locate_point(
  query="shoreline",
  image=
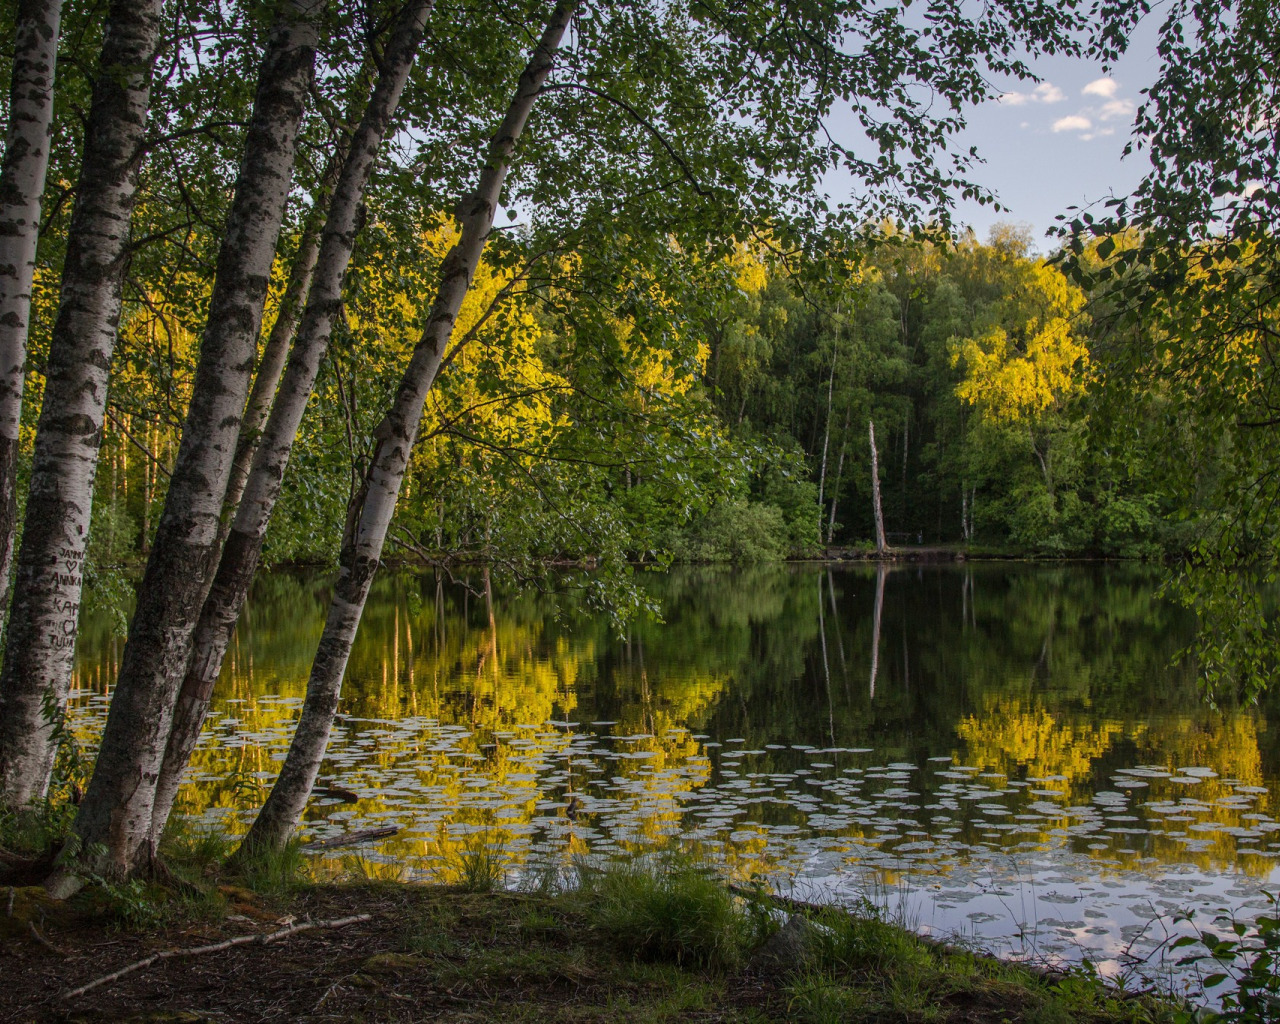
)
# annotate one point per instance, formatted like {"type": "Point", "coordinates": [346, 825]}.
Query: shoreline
{"type": "Point", "coordinates": [635, 945]}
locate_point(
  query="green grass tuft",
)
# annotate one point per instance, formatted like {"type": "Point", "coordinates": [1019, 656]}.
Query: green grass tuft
{"type": "Point", "coordinates": [480, 870]}
{"type": "Point", "coordinates": [862, 940]}
{"type": "Point", "coordinates": [37, 830]}
{"type": "Point", "coordinates": [269, 870]}
{"type": "Point", "coordinates": [193, 851]}
{"type": "Point", "coordinates": [670, 910]}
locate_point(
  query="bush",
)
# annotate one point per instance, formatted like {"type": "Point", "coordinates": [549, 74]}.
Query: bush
{"type": "Point", "coordinates": [736, 531]}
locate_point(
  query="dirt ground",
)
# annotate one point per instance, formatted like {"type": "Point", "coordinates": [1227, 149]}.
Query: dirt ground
{"type": "Point", "coordinates": [422, 955]}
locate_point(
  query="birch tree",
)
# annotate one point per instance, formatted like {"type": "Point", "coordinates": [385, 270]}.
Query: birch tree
{"type": "Point", "coordinates": [40, 644]}
{"type": "Point", "coordinates": [116, 811]}
{"type": "Point", "coordinates": [369, 514]}
{"type": "Point", "coordinates": [26, 160]}
{"type": "Point", "coordinates": [239, 559]}
{"type": "Point", "coordinates": [881, 546]}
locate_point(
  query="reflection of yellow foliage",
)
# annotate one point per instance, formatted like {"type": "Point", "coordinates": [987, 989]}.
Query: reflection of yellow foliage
{"type": "Point", "coordinates": [1228, 743]}
{"type": "Point", "coordinates": [1007, 734]}
{"type": "Point", "coordinates": [454, 744]}
{"type": "Point", "coordinates": [483, 785]}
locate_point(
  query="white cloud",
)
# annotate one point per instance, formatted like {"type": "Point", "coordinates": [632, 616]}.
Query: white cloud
{"type": "Point", "coordinates": [1117, 108]}
{"type": "Point", "coordinates": [1045, 92]}
{"type": "Point", "coordinates": [1100, 133]}
{"type": "Point", "coordinates": [1072, 123]}
{"type": "Point", "coordinates": [1104, 87]}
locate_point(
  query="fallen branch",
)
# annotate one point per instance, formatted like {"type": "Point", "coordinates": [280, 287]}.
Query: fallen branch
{"type": "Point", "coordinates": [35, 933]}
{"type": "Point", "coordinates": [239, 940]}
{"type": "Point", "coordinates": [351, 838]}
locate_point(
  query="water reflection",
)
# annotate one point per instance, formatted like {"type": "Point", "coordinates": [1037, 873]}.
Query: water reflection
{"type": "Point", "coordinates": [999, 751]}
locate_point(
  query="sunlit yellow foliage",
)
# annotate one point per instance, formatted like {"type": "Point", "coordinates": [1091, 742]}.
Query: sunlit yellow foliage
{"type": "Point", "coordinates": [750, 272]}
{"type": "Point", "coordinates": [1030, 360]}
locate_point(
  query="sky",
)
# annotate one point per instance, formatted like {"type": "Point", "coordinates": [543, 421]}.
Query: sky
{"type": "Point", "coordinates": [1059, 143]}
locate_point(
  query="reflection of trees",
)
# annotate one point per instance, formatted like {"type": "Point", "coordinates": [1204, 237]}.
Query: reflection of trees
{"type": "Point", "coordinates": [1025, 671]}
{"type": "Point", "coordinates": [1009, 737]}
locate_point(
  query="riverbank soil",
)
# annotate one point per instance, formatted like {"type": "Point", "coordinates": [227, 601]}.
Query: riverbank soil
{"type": "Point", "coordinates": [431, 953]}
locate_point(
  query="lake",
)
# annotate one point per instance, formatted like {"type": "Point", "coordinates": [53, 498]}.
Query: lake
{"type": "Point", "coordinates": [1001, 752]}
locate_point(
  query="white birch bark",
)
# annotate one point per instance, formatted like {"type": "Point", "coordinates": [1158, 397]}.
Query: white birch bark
{"type": "Point", "coordinates": [240, 554]}
{"type": "Point", "coordinates": [881, 546]}
{"type": "Point", "coordinates": [40, 644]}
{"type": "Point", "coordinates": [116, 811]}
{"type": "Point", "coordinates": [26, 159]}
{"type": "Point", "coordinates": [835, 491]}
{"type": "Point", "coordinates": [369, 514]}
{"type": "Point", "coordinates": [826, 441]}
{"type": "Point", "coordinates": [280, 339]}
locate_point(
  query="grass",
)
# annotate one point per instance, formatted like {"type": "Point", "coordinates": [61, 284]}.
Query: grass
{"type": "Point", "coordinates": [480, 869]}
{"type": "Point", "coordinates": [672, 910]}
{"type": "Point", "coordinates": [35, 831]}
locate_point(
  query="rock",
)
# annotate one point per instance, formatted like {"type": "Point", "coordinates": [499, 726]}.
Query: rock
{"type": "Point", "coordinates": [790, 948]}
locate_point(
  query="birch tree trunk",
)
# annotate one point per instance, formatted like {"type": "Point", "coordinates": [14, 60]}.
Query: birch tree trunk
{"type": "Point", "coordinates": [26, 159]}
{"type": "Point", "coordinates": [42, 626]}
{"type": "Point", "coordinates": [244, 542]}
{"type": "Point", "coordinates": [369, 513]}
{"type": "Point", "coordinates": [116, 811]}
{"type": "Point", "coordinates": [835, 491]}
{"type": "Point", "coordinates": [881, 546]}
{"type": "Point", "coordinates": [826, 443]}
{"type": "Point", "coordinates": [280, 340]}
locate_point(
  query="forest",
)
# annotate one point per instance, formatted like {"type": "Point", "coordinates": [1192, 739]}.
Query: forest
{"type": "Point", "coordinates": [523, 285]}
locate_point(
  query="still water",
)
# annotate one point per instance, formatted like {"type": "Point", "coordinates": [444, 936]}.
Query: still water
{"type": "Point", "coordinates": [1000, 753]}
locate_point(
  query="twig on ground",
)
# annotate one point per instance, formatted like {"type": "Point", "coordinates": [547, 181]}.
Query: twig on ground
{"type": "Point", "coordinates": [35, 932]}
{"type": "Point", "coordinates": [239, 940]}
{"type": "Point", "coordinates": [328, 992]}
